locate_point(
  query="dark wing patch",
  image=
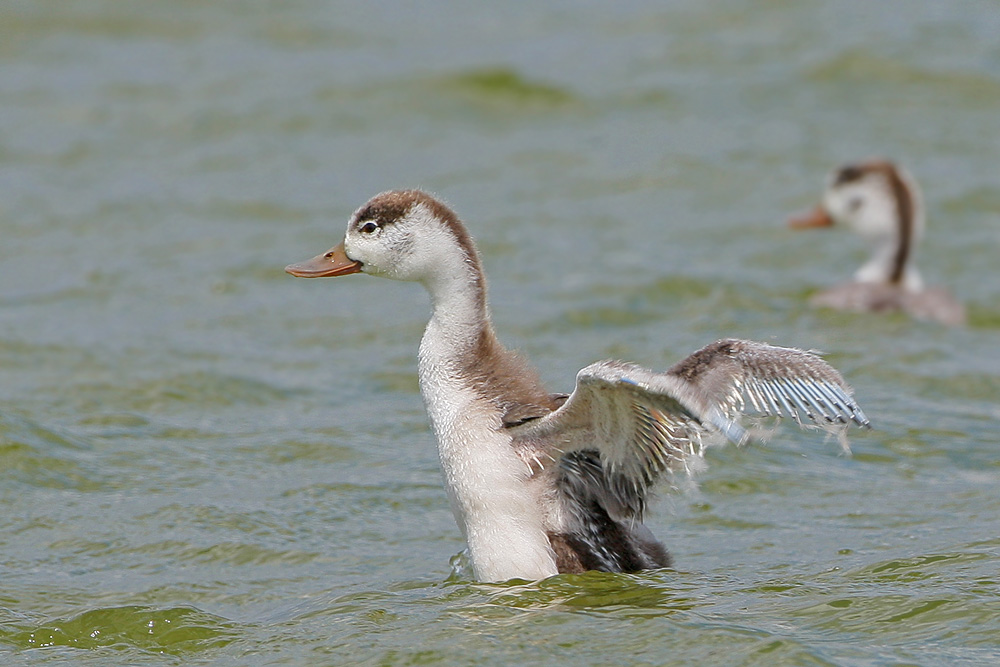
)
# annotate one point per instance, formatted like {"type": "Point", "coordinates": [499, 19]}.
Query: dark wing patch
{"type": "Point", "coordinates": [520, 413]}
{"type": "Point", "coordinates": [599, 541]}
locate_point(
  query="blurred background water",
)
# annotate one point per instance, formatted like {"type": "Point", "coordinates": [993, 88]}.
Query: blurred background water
{"type": "Point", "coordinates": [203, 460]}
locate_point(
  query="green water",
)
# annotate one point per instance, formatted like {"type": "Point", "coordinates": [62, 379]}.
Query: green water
{"type": "Point", "coordinates": [205, 461]}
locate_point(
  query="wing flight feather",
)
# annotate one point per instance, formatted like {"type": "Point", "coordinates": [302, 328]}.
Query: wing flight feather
{"type": "Point", "coordinates": [643, 423]}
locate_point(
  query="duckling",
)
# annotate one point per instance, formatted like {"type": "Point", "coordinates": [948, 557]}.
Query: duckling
{"type": "Point", "coordinates": [881, 202]}
{"type": "Point", "coordinates": [544, 483]}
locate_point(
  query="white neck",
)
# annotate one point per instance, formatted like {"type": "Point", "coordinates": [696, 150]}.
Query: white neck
{"type": "Point", "coordinates": [879, 267]}
{"type": "Point", "coordinates": [486, 481]}
{"type": "Point", "coordinates": [459, 311]}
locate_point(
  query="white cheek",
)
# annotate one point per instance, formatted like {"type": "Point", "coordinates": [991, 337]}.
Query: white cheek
{"type": "Point", "coordinates": [878, 219]}
{"type": "Point", "coordinates": [351, 248]}
{"type": "Point", "coordinates": [360, 248]}
{"type": "Point", "coordinates": [834, 205]}
{"type": "Point", "coordinates": [862, 208]}
{"type": "Point", "coordinates": [842, 207]}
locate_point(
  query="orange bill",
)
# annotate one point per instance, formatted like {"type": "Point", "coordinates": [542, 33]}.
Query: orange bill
{"type": "Point", "coordinates": [818, 217]}
{"type": "Point", "coordinates": [334, 262]}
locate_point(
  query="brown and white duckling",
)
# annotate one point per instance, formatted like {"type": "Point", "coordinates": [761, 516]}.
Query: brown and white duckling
{"type": "Point", "coordinates": [882, 203]}
{"type": "Point", "coordinates": [546, 483]}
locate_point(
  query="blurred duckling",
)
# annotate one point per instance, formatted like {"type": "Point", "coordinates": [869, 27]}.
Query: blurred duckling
{"type": "Point", "coordinates": [881, 202]}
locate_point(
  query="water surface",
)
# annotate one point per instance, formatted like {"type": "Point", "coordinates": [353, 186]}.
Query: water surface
{"type": "Point", "coordinates": [206, 461]}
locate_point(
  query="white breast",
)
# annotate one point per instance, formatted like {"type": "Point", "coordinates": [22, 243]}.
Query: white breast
{"type": "Point", "coordinates": [488, 484]}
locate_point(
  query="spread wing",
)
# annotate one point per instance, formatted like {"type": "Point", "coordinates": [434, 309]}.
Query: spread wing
{"type": "Point", "coordinates": [642, 423]}
{"type": "Point", "coordinates": [776, 381]}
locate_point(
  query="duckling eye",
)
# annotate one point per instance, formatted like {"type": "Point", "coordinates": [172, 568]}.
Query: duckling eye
{"type": "Point", "coordinates": [368, 227]}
